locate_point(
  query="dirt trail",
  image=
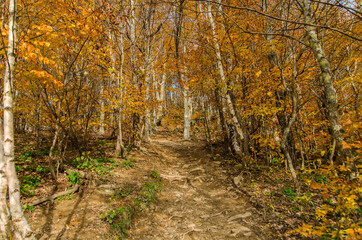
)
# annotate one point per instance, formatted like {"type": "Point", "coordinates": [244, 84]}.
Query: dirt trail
{"type": "Point", "coordinates": [197, 201]}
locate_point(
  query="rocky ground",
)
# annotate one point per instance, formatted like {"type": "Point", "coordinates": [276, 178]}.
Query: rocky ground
{"type": "Point", "coordinates": [199, 199]}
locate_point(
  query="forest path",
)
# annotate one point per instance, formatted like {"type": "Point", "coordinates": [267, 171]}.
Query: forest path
{"type": "Point", "coordinates": [197, 201]}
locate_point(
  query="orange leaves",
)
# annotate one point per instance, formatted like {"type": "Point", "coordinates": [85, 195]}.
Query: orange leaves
{"type": "Point", "coordinates": [338, 207]}
{"type": "Point", "coordinates": [315, 186]}
{"type": "Point", "coordinates": [43, 28]}
{"type": "Point", "coordinates": [354, 233]}
{"type": "Point", "coordinates": [46, 78]}
{"type": "Point", "coordinates": [307, 230]}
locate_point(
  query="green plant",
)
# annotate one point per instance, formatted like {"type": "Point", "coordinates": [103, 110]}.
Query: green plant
{"type": "Point", "coordinates": [41, 169]}
{"type": "Point", "coordinates": [128, 164]}
{"type": "Point", "coordinates": [28, 184]}
{"type": "Point", "coordinates": [147, 194]}
{"type": "Point", "coordinates": [155, 174]}
{"type": "Point", "coordinates": [294, 209]}
{"type": "Point", "coordinates": [28, 208]}
{"type": "Point", "coordinates": [29, 154]}
{"type": "Point", "coordinates": [68, 196]}
{"type": "Point", "coordinates": [45, 151]}
{"type": "Point", "coordinates": [289, 192]}
{"type": "Point", "coordinates": [87, 164]}
{"type": "Point", "coordinates": [321, 178]}
{"type": "Point", "coordinates": [104, 160]}
{"type": "Point", "coordinates": [26, 156]}
{"type": "Point", "coordinates": [276, 162]}
{"type": "Point", "coordinates": [73, 177]}
{"type": "Point", "coordinates": [100, 142]}
{"type": "Point", "coordinates": [101, 165]}
{"type": "Point", "coordinates": [19, 168]}
{"type": "Point", "coordinates": [105, 169]}
{"type": "Point", "coordinates": [119, 220]}
{"type": "Point", "coordinates": [306, 199]}
{"type": "Point", "coordinates": [32, 166]}
{"type": "Point", "coordinates": [124, 193]}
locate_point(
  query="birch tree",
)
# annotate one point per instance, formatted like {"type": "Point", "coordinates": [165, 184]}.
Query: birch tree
{"type": "Point", "coordinates": [240, 134]}
{"type": "Point", "coordinates": [21, 229]}
{"type": "Point", "coordinates": [330, 94]}
{"type": "Point", "coordinates": [181, 50]}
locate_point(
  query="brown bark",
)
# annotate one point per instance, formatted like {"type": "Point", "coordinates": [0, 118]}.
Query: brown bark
{"type": "Point", "coordinates": [326, 77]}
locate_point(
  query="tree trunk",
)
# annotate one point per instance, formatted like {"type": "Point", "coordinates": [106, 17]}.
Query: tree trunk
{"type": "Point", "coordinates": [326, 77]}
{"type": "Point", "coordinates": [120, 150]}
{"type": "Point", "coordinates": [182, 75]}
{"type": "Point", "coordinates": [237, 125]}
{"type": "Point", "coordinates": [22, 229]}
{"type": "Point", "coordinates": [161, 97]}
{"type": "Point", "coordinates": [5, 229]}
{"type": "Point", "coordinates": [283, 123]}
{"type": "Point", "coordinates": [187, 109]}
{"type": "Point", "coordinates": [102, 113]}
{"type": "Point", "coordinates": [148, 92]}
{"type": "Point", "coordinates": [288, 129]}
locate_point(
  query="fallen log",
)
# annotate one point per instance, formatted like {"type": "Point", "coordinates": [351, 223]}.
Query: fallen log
{"type": "Point", "coordinates": [54, 196]}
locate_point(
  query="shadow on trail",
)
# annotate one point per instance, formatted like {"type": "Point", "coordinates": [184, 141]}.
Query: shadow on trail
{"type": "Point", "coordinates": [69, 218]}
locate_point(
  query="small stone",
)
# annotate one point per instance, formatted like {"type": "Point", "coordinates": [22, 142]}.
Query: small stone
{"type": "Point", "coordinates": [192, 225]}
{"type": "Point", "coordinates": [241, 230]}
{"type": "Point", "coordinates": [107, 190]}
{"type": "Point", "coordinates": [248, 234]}
{"type": "Point", "coordinates": [240, 216]}
{"type": "Point", "coordinates": [238, 180]}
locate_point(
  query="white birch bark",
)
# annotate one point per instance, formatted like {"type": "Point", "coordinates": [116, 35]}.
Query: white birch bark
{"type": "Point", "coordinates": [230, 106]}
{"type": "Point", "coordinates": [161, 99]}
{"type": "Point", "coordinates": [120, 146]}
{"type": "Point", "coordinates": [102, 115]}
{"type": "Point", "coordinates": [4, 210]}
{"type": "Point", "coordinates": [21, 226]}
{"type": "Point", "coordinates": [187, 102]}
{"type": "Point", "coordinates": [148, 78]}
{"type": "Point", "coordinates": [157, 96]}
{"type": "Point", "coordinates": [187, 112]}
{"type": "Point", "coordinates": [147, 100]}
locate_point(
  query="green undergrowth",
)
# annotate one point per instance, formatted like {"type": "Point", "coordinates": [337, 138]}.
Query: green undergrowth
{"type": "Point", "coordinates": [101, 166]}
{"type": "Point", "coordinates": [30, 169]}
{"type": "Point", "coordinates": [126, 204]}
{"type": "Point", "coordinates": [74, 177]}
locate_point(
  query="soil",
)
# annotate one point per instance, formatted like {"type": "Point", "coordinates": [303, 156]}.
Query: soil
{"type": "Point", "coordinates": [199, 199]}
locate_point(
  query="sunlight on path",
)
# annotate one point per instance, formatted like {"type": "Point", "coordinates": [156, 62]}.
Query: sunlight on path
{"type": "Point", "coordinates": [196, 201]}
